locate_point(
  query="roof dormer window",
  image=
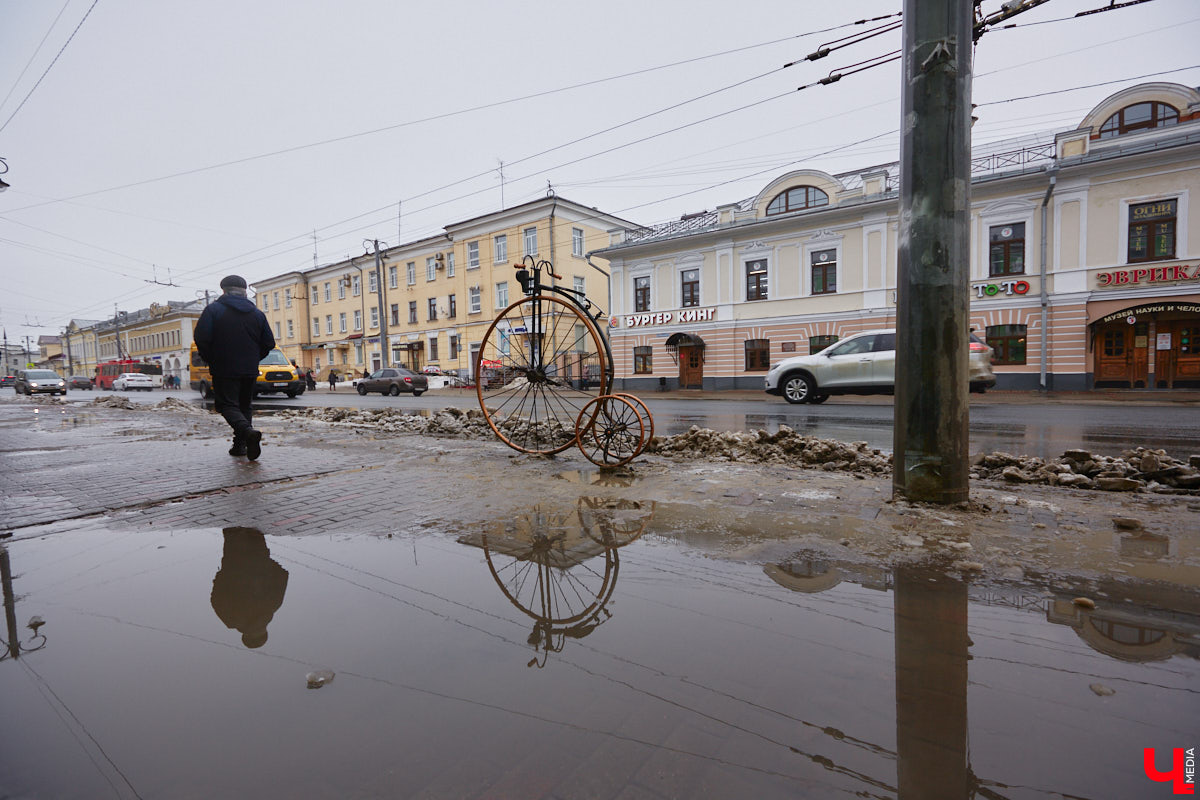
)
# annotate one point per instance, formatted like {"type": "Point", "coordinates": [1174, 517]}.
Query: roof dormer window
{"type": "Point", "coordinates": [1139, 117]}
{"type": "Point", "coordinates": [797, 198]}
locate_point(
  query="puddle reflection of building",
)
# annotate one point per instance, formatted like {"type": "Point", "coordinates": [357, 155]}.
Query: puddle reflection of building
{"type": "Point", "coordinates": [559, 567]}
{"type": "Point", "coordinates": [249, 586]}
{"type": "Point", "coordinates": [13, 646]}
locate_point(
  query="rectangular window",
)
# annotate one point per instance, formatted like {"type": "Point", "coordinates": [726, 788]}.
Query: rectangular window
{"type": "Point", "coordinates": [501, 294]}
{"type": "Point", "coordinates": [580, 285]}
{"type": "Point", "coordinates": [393, 277]}
{"type": "Point", "coordinates": [433, 350]}
{"type": "Point", "coordinates": [287, 298]}
{"type": "Point", "coordinates": [291, 330]}
{"type": "Point", "coordinates": [411, 272]}
{"type": "Point", "coordinates": [505, 341]}
{"type": "Point", "coordinates": [412, 312]}
{"type": "Point", "coordinates": [275, 300]}
{"type": "Point", "coordinates": [500, 248]}
{"type": "Point", "coordinates": [818, 343]}
{"type": "Point", "coordinates": [473, 302]}
{"type": "Point", "coordinates": [1007, 343]}
{"type": "Point", "coordinates": [472, 255]}
{"type": "Point", "coordinates": [358, 354]}
{"type": "Point", "coordinates": [432, 308]}
{"type": "Point", "coordinates": [312, 292]}
{"type": "Point", "coordinates": [529, 241]}
{"type": "Point", "coordinates": [577, 242]}
{"type": "Point", "coordinates": [372, 282]}
{"type": "Point", "coordinates": [581, 341]}
{"type": "Point", "coordinates": [450, 264]}
{"type": "Point", "coordinates": [342, 322]}
{"type": "Point", "coordinates": [358, 320]}
{"type": "Point", "coordinates": [356, 285]}
{"type": "Point", "coordinates": [452, 307]}
{"type": "Point", "coordinates": [317, 327]}
{"type": "Point", "coordinates": [756, 279]}
{"type": "Point", "coordinates": [329, 324]}
{"type": "Point", "coordinates": [345, 356]}
{"type": "Point", "coordinates": [430, 268]}
{"type": "Point", "coordinates": [1152, 231]}
{"type": "Point", "coordinates": [374, 316]}
{"type": "Point", "coordinates": [641, 294]}
{"type": "Point", "coordinates": [343, 285]}
{"type": "Point", "coordinates": [328, 292]}
{"type": "Point", "coordinates": [643, 360]}
{"type": "Point", "coordinates": [824, 272]}
{"type": "Point", "coordinates": [689, 286]}
{"type": "Point", "coordinates": [1006, 249]}
{"type": "Point", "coordinates": [453, 347]}
{"type": "Point", "coordinates": [394, 316]}
{"type": "Point", "coordinates": [758, 355]}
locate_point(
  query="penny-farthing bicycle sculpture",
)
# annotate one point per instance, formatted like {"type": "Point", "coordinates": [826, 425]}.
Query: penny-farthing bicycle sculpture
{"type": "Point", "coordinates": [544, 372]}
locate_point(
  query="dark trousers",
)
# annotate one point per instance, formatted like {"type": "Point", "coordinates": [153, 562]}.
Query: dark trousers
{"type": "Point", "coordinates": [231, 398]}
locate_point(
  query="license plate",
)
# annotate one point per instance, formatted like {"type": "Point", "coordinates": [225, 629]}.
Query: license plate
{"type": "Point", "coordinates": [281, 385]}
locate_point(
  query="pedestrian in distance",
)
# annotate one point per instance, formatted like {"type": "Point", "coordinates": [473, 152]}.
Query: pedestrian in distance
{"type": "Point", "coordinates": [309, 381]}
{"type": "Point", "coordinates": [366, 374]}
{"type": "Point", "coordinates": [332, 380]}
{"type": "Point", "coordinates": [232, 336]}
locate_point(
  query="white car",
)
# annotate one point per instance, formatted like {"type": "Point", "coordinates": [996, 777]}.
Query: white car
{"type": "Point", "coordinates": [128, 381]}
{"type": "Point", "coordinates": [864, 363]}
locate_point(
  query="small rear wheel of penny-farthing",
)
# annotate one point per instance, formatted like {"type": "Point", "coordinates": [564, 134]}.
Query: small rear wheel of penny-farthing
{"type": "Point", "coordinates": [609, 431]}
{"type": "Point", "coordinates": [647, 419]}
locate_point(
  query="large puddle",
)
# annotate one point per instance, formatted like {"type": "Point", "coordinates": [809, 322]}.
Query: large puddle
{"type": "Point", "coordinates": [568, 653]}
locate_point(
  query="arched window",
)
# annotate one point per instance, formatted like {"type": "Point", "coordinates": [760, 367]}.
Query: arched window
{"type": "Point", "coordinates": [797, 198]}
{"type": "Point", "coordinates": [1139, 117]}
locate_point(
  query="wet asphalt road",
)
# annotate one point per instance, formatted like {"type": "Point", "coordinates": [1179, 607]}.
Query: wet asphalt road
{"type": "Point", "coordinates": [1020, 428]}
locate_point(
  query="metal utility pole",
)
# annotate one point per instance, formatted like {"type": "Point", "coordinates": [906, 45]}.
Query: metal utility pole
{"type": "Point", "coordinates": [383, 334]}
{"type": "Point", "coordinates": [931, 419]}
{"type": "Point", "coordinates": [117, 327]}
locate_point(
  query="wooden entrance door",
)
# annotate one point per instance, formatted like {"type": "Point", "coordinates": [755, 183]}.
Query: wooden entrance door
{"type": "Point", "coordinates": [1114, 354]}
{"type": "Point", "coordinates": [1179, 367]}
{"type": "Point", "coordinates": [691, 367]}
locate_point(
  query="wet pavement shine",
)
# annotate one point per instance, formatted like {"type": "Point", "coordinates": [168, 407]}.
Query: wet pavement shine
{"type": "Point", "coordinates": [566, 652]}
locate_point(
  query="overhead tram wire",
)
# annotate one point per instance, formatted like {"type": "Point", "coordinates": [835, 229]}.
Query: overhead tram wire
{"type": "Point", "coordinates": [36, 50]}
{"type": "Point", "coordinates": [48, 68]}
{"type": "Point", "coordinates": [459, 112]}
{"type": "Point", "coordinates": [1087, 86]}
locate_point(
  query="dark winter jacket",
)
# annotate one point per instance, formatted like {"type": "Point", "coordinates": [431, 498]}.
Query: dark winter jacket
{"type": "Point", "coordinates": [232, 336]}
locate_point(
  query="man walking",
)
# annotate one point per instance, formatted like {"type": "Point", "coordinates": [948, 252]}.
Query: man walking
{"type": "Point", "coordinates": [232, 336]}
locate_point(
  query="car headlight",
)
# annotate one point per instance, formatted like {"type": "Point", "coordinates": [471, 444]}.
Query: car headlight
{"type": "Point", "coordinates": [33, 384]}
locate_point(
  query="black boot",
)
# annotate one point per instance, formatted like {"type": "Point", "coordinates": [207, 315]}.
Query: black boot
{"type": "Point", "coordinates": [253, 443]}
{"type": "Point", "coordinates": [239, 447]}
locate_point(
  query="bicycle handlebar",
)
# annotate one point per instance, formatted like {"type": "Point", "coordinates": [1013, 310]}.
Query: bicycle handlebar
{"type": "Point", "coordinates": [535, 264]}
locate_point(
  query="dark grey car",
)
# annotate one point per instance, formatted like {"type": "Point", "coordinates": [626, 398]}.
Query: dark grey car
{"type": "Point", "coordinates": [39, 381]}
{"type": "Point", "coordinates": [393, 381]}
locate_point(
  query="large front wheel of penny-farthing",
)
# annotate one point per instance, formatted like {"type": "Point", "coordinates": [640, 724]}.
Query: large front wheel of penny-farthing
{"type": "Point", "coordinates": [539, 364]}
{"type": "Point", "coordinates": [610, 431]}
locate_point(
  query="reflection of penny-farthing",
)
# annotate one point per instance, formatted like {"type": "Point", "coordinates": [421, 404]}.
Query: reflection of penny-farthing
{"type": "Point", "coordinates": [551, 571]}
{"type": "Point", "coordinates": [614, 522]}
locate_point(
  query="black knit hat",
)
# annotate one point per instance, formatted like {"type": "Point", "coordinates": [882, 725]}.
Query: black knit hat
{"type": "Point", "coordinates": [233, 281]}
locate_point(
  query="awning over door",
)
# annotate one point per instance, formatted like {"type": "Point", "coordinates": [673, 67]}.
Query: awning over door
{"type": "Point", "coordinates": [681, 339]}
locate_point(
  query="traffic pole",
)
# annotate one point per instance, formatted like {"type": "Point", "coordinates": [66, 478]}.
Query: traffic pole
{"type": "Point", "coordinates": [930, 446]}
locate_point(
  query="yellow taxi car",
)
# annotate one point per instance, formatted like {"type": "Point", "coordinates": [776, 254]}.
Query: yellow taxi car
{"type": "Point", "coordinates": [275, 374]}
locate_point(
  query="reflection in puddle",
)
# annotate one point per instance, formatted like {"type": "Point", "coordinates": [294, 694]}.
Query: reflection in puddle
{"type": "Point", "coordinates": [694, 676]}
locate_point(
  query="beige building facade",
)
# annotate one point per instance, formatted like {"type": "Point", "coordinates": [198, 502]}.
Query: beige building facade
{"type": "Point", "coordinates": [160, 334]}
{"type": "Point", "coordinates": [428, 303]}
{"type": "Point", "coordinates": [1084, 269]}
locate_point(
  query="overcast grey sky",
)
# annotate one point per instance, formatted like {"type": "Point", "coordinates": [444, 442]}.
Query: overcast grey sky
{"type": "Point", "coordinates": [204, 138]}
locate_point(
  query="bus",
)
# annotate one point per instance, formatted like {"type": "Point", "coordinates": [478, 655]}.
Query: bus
{"type": "Point", "coordinates": [107, 371]}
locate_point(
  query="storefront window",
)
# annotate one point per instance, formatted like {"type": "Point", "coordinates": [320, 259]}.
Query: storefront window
{"type": "Point", "coordinates": [818, 343]}
{"type": "Point", "coordinates": [643, 360]}
{"type": "Point", "coordinates": [758, 355]}
{"type": "Point", "coordinates": [1152, 231]}
{"type": "Point", "coordinates": [1007, 343]}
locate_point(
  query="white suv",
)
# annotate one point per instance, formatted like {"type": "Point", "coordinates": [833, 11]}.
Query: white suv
{"type": "Point", "coordinates": [864, 363]}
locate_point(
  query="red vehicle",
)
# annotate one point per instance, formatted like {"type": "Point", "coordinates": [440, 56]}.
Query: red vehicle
{"type": "Point", "coordinates": [107, 371]}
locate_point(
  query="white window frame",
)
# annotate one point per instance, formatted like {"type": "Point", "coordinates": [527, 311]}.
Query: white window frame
{"type": "Point", "coordinates": [374, 316]}
{"type": "Point", "coordinates": [501, 294]}
{"type": "Point", "coordinates": [317, 326]}
{"type": "Point", "coordinates": [291, 330]}
{"type": "Point", "coordinates": [328, 293]}
{"type": "Point", "coordinates": [473, 255]}
{"type": "Point", "coordinates": [275, 300]}
{"type": "Point", "coordinates": [341, 289]}
{"type": "Point", "coordinates": [358, 319]}
{"type": "Point", "coordinates": [393, 277]}
{"type": "Point", "coordinates": [356, 285]}
{"type": "Point", "coordinates": [474, 301]}
{"type": "Point", "coordinates": [430, 268]}
{"type": "Point", "coordinates": [329, 324]}
{"type": "Point", "coordinates": [342, 322]}
{"type": "Point", "coordinates": [577, 242]}
{"type": "Point", "coordinates": [579, 284]}
{"type": "Point", "coordinates": [500, 248]}
{"type": "Point", "coordinates": [287, 298]}
{"type": "Point", "coordinates": [372, 282]}
{"type": "Point", "coordinates": [450, 264]}
{"type": "Point", "coordinates": [529, 237]}
{"type": "Point", "coordinates": [313, 292]}
{"type": "Point", "coordinates": [410, 273]}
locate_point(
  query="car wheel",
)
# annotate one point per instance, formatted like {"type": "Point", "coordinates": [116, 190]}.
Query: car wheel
{"type": "Point", "coordinates": [393, 390]}
{"type": "Point", "coordinates": [362, 390]}
{"type": "Point", "coordinates": [291, 395]}
{"type": "Point", "coordinates": [818, 398]}
{"type": "Point", "coordinates": [797, 389]}
{"type": "Point", "coordinates": [418, 392]}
